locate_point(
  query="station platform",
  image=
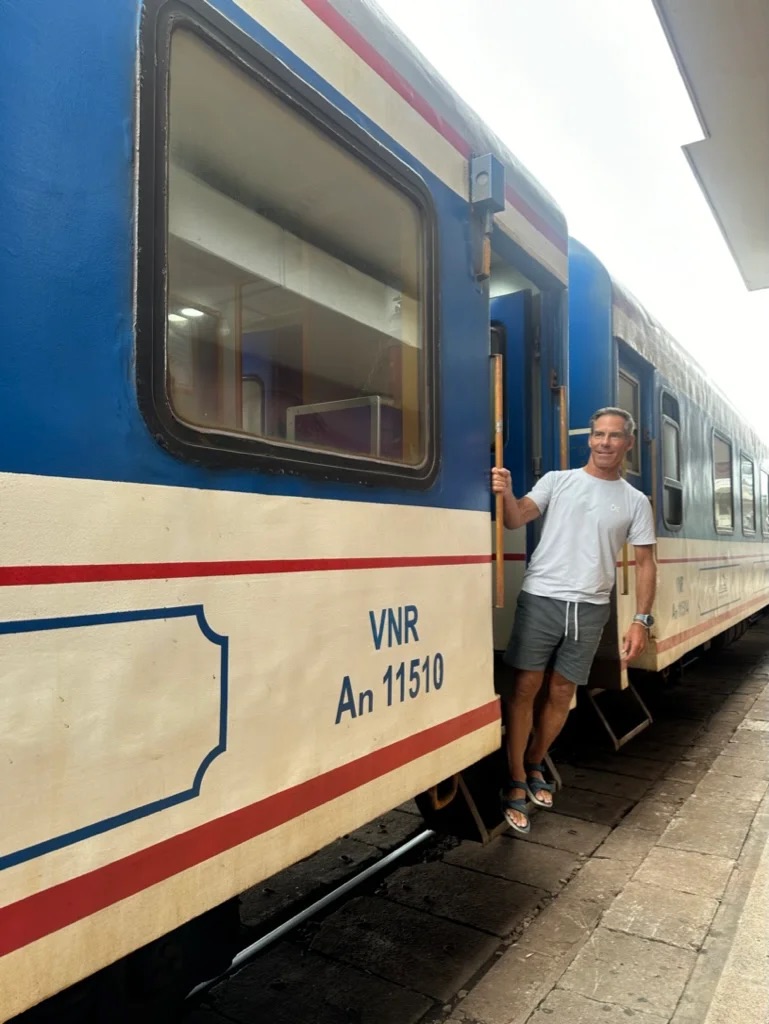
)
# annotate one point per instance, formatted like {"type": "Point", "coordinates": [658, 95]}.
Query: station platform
{"type": "Point", "coordinates": [668, 922]}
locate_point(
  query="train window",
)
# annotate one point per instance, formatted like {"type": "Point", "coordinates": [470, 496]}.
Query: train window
{"type": "Point", "coordinates": [747, 490]}
{"type": "Point", "coordinates": [628, 392]}
{"type": "Point", "coordinates": [723, 501]}
{"type": "Point", "coordinates": [765, 503]}
{"type": "Point", "coordinates": [672, 484]}
{"type": "Point", "coordinates": [297, 297]}
{"type": "Point", "coordinates": [670, 407]}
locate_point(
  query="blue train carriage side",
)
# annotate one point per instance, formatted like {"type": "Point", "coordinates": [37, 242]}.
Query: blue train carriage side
{"type": "Point", "coordinates": [703, 468]}
{"type": "Point", "coordinates": [246, 599]}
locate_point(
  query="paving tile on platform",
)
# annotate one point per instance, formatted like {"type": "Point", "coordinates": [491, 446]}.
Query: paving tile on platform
{"type": "Point", "coordinates": [676, 732]}
{"type": "Point", "coordinates": [600, 880]}
{"type": "Point", "coordinates": [486, 902]}
{"type": "Point", "coordinates": [742, 767]}
{"type": "Point", "coordinates": [728, 788]}
{"type": "Point", "coordinates": [635, 973]}
{"type": "Point", "coordinates": [562, 927]}
{"type": "Point", "coordinates": [742, 702]}
{"type": "Point", "coordinates": [691, 769]}
{"type": "Point", "coordinates": [205, 1015]}
{"type": "Point", "coordinates": [686, 871]}
{"type": "Point", "coordinates": [627, 844]}
{"type": "Point", "coordinates": [594, 807]}
{"type": "Point", "coordinates": [666, 915]}
{"type": "Point", "coordinates": [511, 990]}
{"type": "Point", "coordinates": [671, 791]}
{"type": "Point", "coordinates": [282, 988]}
{"type": "Point", "coordinates": [751, 745]}
{"type": "Point", "coordinates": [623, 786]}
{"type": "Point", "coordinates": [564, 1007]}
{"type": "Point", "coordinates": [723, 838]}
{"type": "Point", "coordinates": [564, 833]}
{"type": "Point", "coordinates": [624, 764]}
{"type": "Point", "coordinates": [652, 816]}
{"type": "Point", "coordinates": [412, 949]}
{"type": "Point", "coordinates": [657, 750]}
{"type": "Point", "coordinates": [314, 875]}
{"type": "Point", "coordinates": [388, 831]}
{"type": "Point", "coordinates": [530, 863]}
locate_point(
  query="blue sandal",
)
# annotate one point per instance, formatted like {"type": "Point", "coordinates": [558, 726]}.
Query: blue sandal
{"type": "Point", "coordinates": [519, 805]}
{"type": "Point", "coordinates": [535, 786]}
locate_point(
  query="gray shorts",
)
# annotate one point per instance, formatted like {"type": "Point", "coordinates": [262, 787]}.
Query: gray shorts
{"type": "Point", "coordinates": [565, 631]}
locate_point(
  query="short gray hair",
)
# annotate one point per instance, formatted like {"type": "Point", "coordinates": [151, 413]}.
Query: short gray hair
{"type": "Point", "coordinates": [611, 410]}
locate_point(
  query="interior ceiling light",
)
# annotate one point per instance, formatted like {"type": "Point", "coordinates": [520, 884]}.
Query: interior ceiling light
{"type": "Point", "coordinates": [192, 312]}
{"type": "Point", "coordinates": [176, 318]}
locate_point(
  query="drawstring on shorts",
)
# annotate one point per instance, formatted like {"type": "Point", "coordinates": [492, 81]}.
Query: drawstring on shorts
{"type": "Point", "coordinates": [576, 621]}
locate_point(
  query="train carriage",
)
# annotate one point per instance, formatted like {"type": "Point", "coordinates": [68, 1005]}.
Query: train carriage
{"type": "Point", "coordinates": [704, 469]}
{"type": "Point", "coordinates": [245, 601]}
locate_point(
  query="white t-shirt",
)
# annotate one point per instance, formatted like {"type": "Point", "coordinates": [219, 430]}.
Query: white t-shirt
{"type": "Point", "coordinates": [587, 520]}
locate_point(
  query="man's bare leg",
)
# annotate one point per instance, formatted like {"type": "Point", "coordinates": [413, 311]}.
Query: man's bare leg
{"type": "Point", "coordinates": [519, 718]}
{"type": "Point", "coordinates": [551, 720]}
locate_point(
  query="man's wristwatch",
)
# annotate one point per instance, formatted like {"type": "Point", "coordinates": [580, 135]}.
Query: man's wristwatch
{"type": "Point", "coordinates": [645, 620]}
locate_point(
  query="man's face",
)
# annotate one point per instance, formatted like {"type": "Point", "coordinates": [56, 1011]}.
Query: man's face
{"type": "Point", "coordinates": [609, 444]}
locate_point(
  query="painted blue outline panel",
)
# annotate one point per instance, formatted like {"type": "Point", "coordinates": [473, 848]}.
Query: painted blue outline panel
{"type": "Point", "coordinates": [110, 618]}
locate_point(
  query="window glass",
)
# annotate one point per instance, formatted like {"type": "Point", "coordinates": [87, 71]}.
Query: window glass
{"type": "Point", "coordinates": [722, 483]}
{"type": "Point", "coordinates": [765, 503]}
{"type": "Point", "coordinates": [628, 392]}
{"type": "Point", "coordinates": [672, 488]}
{"type": "Point", "coordinates": [295, 289]}
{"type": "Point", "coordinates": [747, 487]}
{"type": "Point", "coordinates": [672, 508]}
{"type": "Point", "coordinates": [671, 451]}
{"type": "Point", "coordinates": [670, 407]}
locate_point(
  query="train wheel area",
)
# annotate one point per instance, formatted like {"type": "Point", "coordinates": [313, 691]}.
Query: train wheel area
{"type": "Point", "coordinates": [640, 895]}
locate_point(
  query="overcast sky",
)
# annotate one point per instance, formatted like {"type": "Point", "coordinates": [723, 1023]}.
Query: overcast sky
{"type": "Point", "coordinates": [587, 95]}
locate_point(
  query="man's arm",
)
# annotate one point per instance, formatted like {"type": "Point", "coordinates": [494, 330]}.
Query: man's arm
{"type": "Point", "coordinates": [645, 578]}
{"type": "Point", "coordinates": [634, 641]}
{"type": "Point", "coordinates": [518, 511]}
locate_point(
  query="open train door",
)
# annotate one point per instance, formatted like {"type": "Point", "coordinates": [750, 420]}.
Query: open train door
{"type": "Point", "coordinates": [515, 334]}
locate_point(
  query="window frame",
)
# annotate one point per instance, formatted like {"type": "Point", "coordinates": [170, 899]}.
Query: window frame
{"type": "Point", "coordinates": [220, 448]}
{"type": "Point", "coordinates": [670, 482]}
{"type": "Point", "coordinates": [747, 458]}
{"type": "Point", "coordinates": [715, 433]}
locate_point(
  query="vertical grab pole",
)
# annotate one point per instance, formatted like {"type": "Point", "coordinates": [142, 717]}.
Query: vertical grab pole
{"type": "Point", "coordinates": [564, 427]}
{"type": "Point", "coordinates": [499, 553]}
{"type": "Point", "coordinates": [486, 180]}
{"type": "Point", "coordinates": [625, 555]}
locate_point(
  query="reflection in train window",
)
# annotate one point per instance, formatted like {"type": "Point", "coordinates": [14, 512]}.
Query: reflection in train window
{"type": "Point", "coordinates": [747, 489]}
{"type": "Point", "coordinates": [765, 503]}
{"type": "Point", "coordinates": [672, 485]}
{"type": "Point", "coordinates": [295, 296]}
{"type": "Point", "coordinates": [723, 504]}
{"type": "Point", "coordinates": [628, 391]}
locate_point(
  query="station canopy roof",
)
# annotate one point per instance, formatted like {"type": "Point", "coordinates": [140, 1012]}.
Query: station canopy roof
{"type": "Point", "coordinates": [722, 50]}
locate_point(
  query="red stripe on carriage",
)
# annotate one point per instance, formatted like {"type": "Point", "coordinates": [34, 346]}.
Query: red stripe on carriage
{"type": "Point", "coordinates": [62, 905]}
{"type": "Point", "coordinates": [38, 575]}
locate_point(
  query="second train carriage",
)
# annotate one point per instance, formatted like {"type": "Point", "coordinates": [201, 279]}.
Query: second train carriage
{"type": "Point", "coordinates": [704, 469]}
{"type": "Point", "coordinates": [246, 593]}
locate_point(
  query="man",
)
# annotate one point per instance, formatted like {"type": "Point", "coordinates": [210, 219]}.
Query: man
{"type": "Point", "coordinates": [564, 602]}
